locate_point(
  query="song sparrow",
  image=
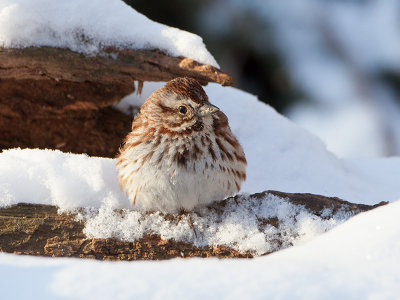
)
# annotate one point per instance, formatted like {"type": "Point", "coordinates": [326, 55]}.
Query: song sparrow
{"type": "Point", "coordinates": [181, 152]}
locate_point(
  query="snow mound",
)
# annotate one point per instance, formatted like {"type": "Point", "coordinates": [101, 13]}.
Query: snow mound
{"type": "Point", "coordinates": [88, 26]}
{"type": "Point", "coordinates": [52, 177]}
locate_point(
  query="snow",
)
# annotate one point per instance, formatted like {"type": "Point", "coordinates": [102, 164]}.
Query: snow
{"type": "Point", "coordinates": [336, 52]}
{"type": "Point", "coordinates": [63, 179]}
{"type": "Point", "coordinates": [348, 131]}
{"type": "Point", "coordinates": [358, 259]}
{"type": "Point", "coordinates": [89, 26]}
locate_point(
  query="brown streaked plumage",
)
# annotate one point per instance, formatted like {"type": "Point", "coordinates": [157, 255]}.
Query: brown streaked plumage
{"type": "Point", "coordinates": [181, 152]}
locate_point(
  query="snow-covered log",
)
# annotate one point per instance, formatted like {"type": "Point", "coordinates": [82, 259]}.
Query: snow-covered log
{"type": "Point", "coordinates": [39, 230]}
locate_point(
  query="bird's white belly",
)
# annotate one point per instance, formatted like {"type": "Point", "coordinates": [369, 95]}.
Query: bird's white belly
{"type": "Point", "coordinates": [173, 189]}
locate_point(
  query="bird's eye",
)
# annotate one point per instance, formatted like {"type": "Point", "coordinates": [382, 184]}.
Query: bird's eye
{"type": "Point", "coordinates": [182, 109]}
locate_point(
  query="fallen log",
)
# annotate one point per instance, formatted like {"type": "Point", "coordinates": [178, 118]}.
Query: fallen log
{"type": "Point", "coordinates": [40, 230]}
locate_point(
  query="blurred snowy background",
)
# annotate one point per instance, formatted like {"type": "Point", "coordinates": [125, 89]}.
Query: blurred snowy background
{"type": "Point", "coordinates": [330, 66]}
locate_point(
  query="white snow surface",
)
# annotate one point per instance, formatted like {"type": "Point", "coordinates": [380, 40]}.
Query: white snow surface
{"type": "Point", "coordinates": [88, 26]}
{"type": "Point", "coordinates": [356, 260]}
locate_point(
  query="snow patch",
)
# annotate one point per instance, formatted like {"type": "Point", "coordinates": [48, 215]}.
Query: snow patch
{"type": "Point", "coordinates": [89, 26]}
{"type": "Point", "coordinates": [52, 177]}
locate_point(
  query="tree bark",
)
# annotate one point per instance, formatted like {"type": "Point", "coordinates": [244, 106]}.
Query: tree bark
{"type": "Point", "coordinates": [56, 80]}
{"type": "Point", "coordinates": [96, 133]}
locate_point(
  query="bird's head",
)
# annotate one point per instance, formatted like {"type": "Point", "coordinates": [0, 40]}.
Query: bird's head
{"type": "Point", "coordinates": [180, 105]}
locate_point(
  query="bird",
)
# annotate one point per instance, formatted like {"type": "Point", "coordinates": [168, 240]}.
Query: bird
{"type": "Point", "coordinates": [181, 152]}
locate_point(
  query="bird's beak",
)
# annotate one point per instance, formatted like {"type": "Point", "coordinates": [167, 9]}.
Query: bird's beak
{"type": "Point", "coordinates": [207, 109]}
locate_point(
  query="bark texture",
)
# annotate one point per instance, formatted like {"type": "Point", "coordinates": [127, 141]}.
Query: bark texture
{"type": "Point", "coordinates": [94, 132]}
{"type": "Point", "coordinates": [40, 230]}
